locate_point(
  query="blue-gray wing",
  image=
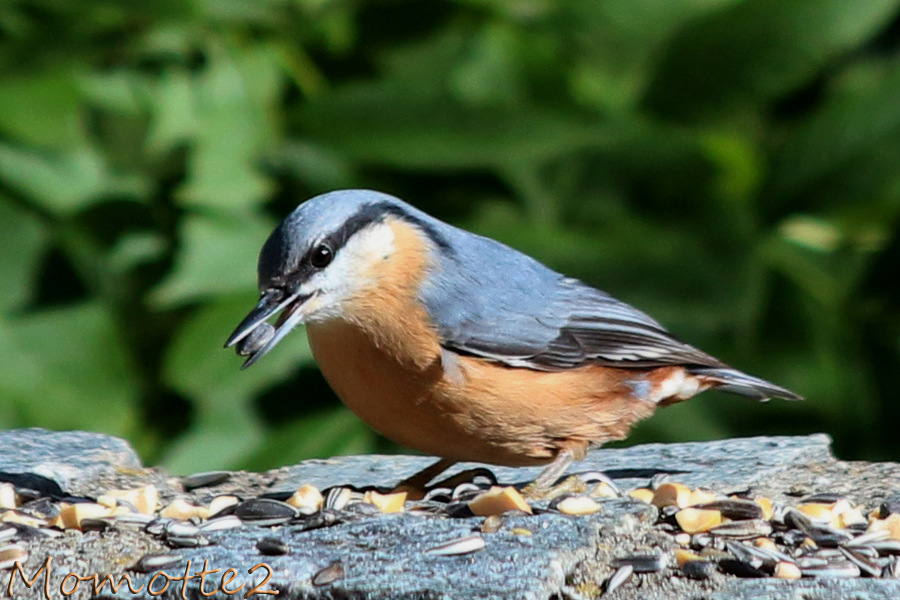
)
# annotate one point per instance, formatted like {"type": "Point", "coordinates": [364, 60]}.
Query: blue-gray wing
{"type": "Point", "coordinates": [509, 308]}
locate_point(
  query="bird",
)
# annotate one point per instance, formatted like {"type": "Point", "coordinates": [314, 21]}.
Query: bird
{"type": "Point", "coordinates": [458, 346]}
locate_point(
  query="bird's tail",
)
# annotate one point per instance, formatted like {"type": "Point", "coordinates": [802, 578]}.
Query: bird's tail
{"type": "Point", "coordinates": [736, 382]}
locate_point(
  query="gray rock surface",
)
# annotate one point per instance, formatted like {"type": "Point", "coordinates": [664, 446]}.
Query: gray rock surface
{"type": "Point", "coordinates": [547, 556]}
{"type": "Point", "coordinates": [64, 457]}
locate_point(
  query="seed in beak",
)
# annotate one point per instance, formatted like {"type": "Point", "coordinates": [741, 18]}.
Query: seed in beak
{"type": "Point", "coordinates": [257, 338]}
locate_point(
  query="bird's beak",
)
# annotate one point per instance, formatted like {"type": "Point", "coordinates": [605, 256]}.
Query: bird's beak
{"type": "Point", "coordinates": [254, 336]}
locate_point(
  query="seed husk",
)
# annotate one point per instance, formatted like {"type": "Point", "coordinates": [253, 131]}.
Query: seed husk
{"type": "Point", "coordinates": [671, 494]}
{"type": "Point", "coordinates": [156, 562]}
{"type": "Point", "coordinates": [840, 569]}
{"type": "Point", "coordinates": [7, 496]}
{"type": "Point", "coordinates": [184, 541]}
{"type": "Point", "coordinates": [866, 566]}
{"type": "Point", "coordinates": [643, 563]}
{"type": "Point", "coordinates": [739, 510]}
{"type": "Point", "coordinates": [273, 546]}
{"type": "Point", "coordinates": [577, 505]}
{"type": "Point", "coordinates": [739, 568]}
{"type": "Point", "coordinates": [492, 524]}
{"type": "Point", "coordinates": [206, 479]}
{"type": "Point", "coordinates": [221, 524]}
{"type": "Point", "coordinates": [742, 529]}
{"type": "Point", "coordinates": [621, 576]}
{"type": "Point", "coordinates": [330, 574]}
{"type": "Point", "coordinates": [220, 503]}
{"type": "Point", "coordinates": [464, 545]}
{"type": "Point", "coordinates": [697, 520]}
{"type": "Point", "coordinates": [497, 501]}
{"type": "Point", "coordinates": [698, 569]}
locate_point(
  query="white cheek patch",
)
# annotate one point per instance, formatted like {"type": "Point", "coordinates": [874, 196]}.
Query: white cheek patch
{"type": "Point", "coordinates": [351, 270]}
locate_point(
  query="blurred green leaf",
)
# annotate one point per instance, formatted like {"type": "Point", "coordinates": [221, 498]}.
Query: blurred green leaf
{"type": "Point", "coordinates": [758, 50]}
{"type": "Point", "coordinates": [42, 110]}
{"type": "Point", "coordinates": [197, 366]}
{"type": "Point", "coordinates": [218, 256]}
{"type": "Point", "coordinates": [64, 182]}
{"type": "Point", "coordinates": [24, 240]}
{"type": "Point", "coordinates": [68, 368]}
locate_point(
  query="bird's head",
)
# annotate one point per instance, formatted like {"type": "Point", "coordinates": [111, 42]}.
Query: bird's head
{"type": "Point", "coordinates": [321, 257]}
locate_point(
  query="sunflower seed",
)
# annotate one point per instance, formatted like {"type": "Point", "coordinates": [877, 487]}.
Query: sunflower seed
{"type": "Point", "coordinates": [892, 570]}
{"type": "Point", "coordinates": [735, 509]}
{"type": "Point", "coordinates": [823, 498]}
{"type": "Point", "coordinates": [221, 524]}
{"type": "Point", "coordinates": [866, 566]}
{"type": "Point", "coordinates": [11, 554]}
{"type": "Point", "coordinates": [739, 568]}
{"type": "Point", "coordinates": [7, 533]}
{"type": "Point", "coordinates": [156, 562]}
{"type": "Point", "coordinates": [94, 525]}
{"type": "Point", "coordinates": [133, 520]}
{"type": "Point", "coordinates": [329, 574]}
{"type": "Point", "coordinates": [643, 563]}
{"type": "Point", "coordinates": [464, 545]}
{"type": "Point", "coordinates": [265, 512]}
{"type": "Point", "coordinates": [193, 541]}
{"type": "Point", "coordinates": [827, 537]}
{"type": "Point", "coordinates": [273, 546]}
{"type": "Point", "coordinates": [621, 576]}
{"type": "Point", "coordinates": [207, 479]}
{"type": "Point", "coordinates": [180, 529]}
{"type": "Point", "coordinates": [338, 497]}
{"type": "Point", "coordinates": [833, 569]}
{"type": "Point", "coordinates": [698, 569]}
{"type": "Point", "coordinates": [594, 478]}
{"type": "Point", "coordinates": [258, 337]}
{"type": "Point", "coordinates": [439, 494]}
{"type": "Point", "coordinates": [868, 538]}
{"type": "Point", "coordinates": [465, 491]}
{"type": "Point", "coordinates": [742, 529]}
{"type": "Point", "coordinates": [886, 546]}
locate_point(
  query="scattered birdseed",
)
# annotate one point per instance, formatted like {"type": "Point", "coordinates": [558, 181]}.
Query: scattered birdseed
{"type": "Point", "coordinates": [577, 505]}
{"type": "Point", "coordinates": [307, 499]}
{"type": "Point", "coordinates": [7, 496]}
{"type": "Point", "coordinates": [464, 545]}
{"type": "Point", "coordinates": [671, 494]}
{"type": "Point", "coordinates": [265, 512]}
{"type": "Point", "coordinates": [492, 524]}
{"type": "Point", "coordinates": [643, 494]}
{"type": "Point", "coordinates": [207, 479]}
{"type": "Point", "coordinates": [11, 554]}
{"type": "Point", "coordinates": [643, 563]}
{"type": "Point", "coordinates": [386, 503]}
{"type": "Point", "coordinates": [787, 570]}
{"type": "Point", "coordinates": [273, 546]}
{"type": "Point", "coordinates": [696, 520]}
{"type": "Point", "coordinates": [621, 576]}
{"type": "Point", "coordinates": [497, 501]}
{"type": "Point", "coordinates": [330, 574]}
{"type": "Point", "coordinates": [156, 562]}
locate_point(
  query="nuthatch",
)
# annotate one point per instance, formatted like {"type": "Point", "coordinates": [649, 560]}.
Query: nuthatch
{"type": "Point", "coordinates": [459, 346]}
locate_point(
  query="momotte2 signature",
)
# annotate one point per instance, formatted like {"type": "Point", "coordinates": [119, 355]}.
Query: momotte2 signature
{"type": "Point", "coordinates": [158, 583]}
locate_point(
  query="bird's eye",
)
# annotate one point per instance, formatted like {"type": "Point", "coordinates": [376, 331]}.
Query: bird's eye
{"type": "Point", "coordinates": [321, 256]}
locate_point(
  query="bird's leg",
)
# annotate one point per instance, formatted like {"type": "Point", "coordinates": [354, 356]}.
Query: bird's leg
{"type": "Point", "coordinates": [542, 487]}
{"type": "Point", "coordinates": [414, 485]}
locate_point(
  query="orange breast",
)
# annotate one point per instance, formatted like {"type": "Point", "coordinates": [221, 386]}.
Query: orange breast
{"type": "Point", "coordinates": [384, 361]}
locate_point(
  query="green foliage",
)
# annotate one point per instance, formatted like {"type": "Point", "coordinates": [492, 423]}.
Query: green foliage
{"type": "Point", "coordinates": [730, 166]}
